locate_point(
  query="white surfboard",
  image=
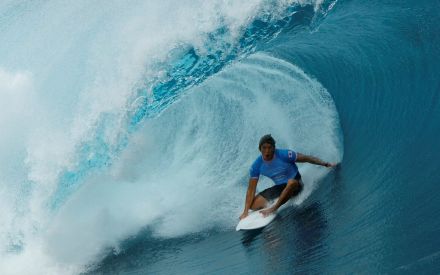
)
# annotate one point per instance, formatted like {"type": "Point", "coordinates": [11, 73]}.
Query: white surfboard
{"type": "Point", "coordinates": [255, 220]}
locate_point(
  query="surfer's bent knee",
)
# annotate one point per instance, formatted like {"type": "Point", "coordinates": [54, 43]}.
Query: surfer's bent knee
{"type": "Point", "coordinates": [259, 203]}
{"type": "Point", "coordinates": [296, 186]}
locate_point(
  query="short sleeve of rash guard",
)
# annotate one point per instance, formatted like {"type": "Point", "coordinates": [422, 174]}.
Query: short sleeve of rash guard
{"type": "Point", "coordinates": [288, 155]}
{"type": "Point", "coordinates": [254, 172]}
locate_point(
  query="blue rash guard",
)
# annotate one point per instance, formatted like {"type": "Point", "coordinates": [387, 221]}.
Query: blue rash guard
{"type": "Point", "coordinates": [281, 168]}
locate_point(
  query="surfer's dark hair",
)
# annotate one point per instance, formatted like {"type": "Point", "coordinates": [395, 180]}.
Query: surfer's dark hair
{"type": "Point", "coordinates": [266, 139]}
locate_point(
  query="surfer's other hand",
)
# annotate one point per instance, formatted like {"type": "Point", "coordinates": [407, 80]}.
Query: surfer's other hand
{"type": "Point", "coordinates": [243, 215]}
{"type": "Point", "coordinates": [330, 165]}
{"type": "Point", "coordinates": [267, 212]}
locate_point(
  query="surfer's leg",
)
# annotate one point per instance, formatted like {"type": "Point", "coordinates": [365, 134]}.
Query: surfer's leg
{"type": "Point", "coordinates": [295, 187]}
{"type": "Point", "coordinates": [259, 203]}
{"type": "Point", "coordinates": [262, 199]}
{"type": "Point", "coordinates": [291, 189]}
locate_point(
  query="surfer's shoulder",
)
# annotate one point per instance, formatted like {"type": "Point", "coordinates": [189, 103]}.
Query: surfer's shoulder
{"type": "Point", "coordinates": [286, 154]}
{"type": "Point", "coordinates": [254, 171]}
{"type": "Point", "coordinates": [258, 161]}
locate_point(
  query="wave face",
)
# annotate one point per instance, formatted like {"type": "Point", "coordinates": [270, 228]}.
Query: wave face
{"type": "Point", "coordinates": [130, 129]}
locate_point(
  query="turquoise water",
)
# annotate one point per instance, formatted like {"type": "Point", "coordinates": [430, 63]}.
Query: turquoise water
{"type": "Point", "coordinates": [129, 131]}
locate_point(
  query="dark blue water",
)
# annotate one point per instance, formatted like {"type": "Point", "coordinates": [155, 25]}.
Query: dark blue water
{"type": "Point", "coordinates": [152, 183]}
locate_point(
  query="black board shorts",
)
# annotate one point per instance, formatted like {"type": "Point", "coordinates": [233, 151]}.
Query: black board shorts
{"type": "Point", "coordinates": [275, 191]}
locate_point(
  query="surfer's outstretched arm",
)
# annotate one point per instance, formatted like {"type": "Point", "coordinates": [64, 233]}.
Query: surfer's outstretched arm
{"type": "Point", "coordinates": [250, 195]}
{"type": "Point", "coordinates": [313, 160]}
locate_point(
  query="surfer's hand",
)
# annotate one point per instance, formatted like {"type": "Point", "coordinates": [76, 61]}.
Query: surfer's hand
{"type": "Point", "coordinates": [244, 215]}
{"type": "Point", "coordinates": [267, 212]}
{"type": "Point", "coordinates": [329, 165]}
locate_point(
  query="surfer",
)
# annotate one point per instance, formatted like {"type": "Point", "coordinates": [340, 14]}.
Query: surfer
{"type": "Point", "coordinates": [278, 165]}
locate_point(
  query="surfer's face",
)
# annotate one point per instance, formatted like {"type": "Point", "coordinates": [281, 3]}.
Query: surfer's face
{"type": "Point", "coordinates": [267, 151]}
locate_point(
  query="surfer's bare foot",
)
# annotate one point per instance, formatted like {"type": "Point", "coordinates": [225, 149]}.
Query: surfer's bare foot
{"type": "Point", "coordinates": [268, 211]}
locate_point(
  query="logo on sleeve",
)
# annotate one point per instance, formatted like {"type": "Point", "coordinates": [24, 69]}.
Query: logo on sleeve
{"type": "Point", "coordinates": [290, 154]}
